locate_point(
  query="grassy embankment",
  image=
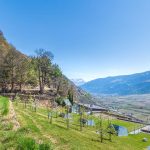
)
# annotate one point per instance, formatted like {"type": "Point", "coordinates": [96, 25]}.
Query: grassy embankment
{"type": "Point", "coordinates": [36, 129]}
{"type": "Point", "coordinates": [23, 138]}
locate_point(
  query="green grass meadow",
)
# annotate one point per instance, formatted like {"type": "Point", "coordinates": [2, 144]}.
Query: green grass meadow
{"type": "Point", "coordinates": [36, 132]}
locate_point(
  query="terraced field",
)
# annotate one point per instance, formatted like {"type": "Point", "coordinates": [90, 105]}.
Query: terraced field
{"type": "Point", "coordinates": [35, 132]}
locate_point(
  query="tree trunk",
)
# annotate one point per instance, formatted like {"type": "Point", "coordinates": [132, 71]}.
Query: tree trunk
{"type": "Point", "coordinates": [20, 86]}
{"type": "Point", "coordinates": [12, 86]}
{"type": "Point", "coordinates": [4, 87]}
{"type": "Point", "coordinates": [12, 81]}
{"type": "Point", "coordinates": [58, 87]}
{"type": "Point", "coordinates": [40, 82]}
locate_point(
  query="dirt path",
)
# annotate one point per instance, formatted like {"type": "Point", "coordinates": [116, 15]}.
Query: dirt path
{"type": "Point", "coordinates": [12, 117]}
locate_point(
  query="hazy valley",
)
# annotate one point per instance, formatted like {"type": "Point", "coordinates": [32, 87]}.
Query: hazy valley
{"type": "Point", "coordinates": [137, 105]}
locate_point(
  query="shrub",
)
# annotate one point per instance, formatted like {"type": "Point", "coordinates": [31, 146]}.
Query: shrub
{"type": "Point", "coordinates": [5, 107]}
{"type": "Point", "coordinates": [23, 130]}
{"type": "Point", "coordinates": [45, 146]}
{"type": "Point", "coordinates": [26, 144]}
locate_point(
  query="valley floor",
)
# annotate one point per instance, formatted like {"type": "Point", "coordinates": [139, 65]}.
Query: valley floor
{"type": "Point", "coordinates": [137, 105]}
{"type": "Point", "coordinates": [36, 132]}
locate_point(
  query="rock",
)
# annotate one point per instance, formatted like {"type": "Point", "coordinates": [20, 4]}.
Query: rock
{"type": "Point", "coordinates": [144, 139]}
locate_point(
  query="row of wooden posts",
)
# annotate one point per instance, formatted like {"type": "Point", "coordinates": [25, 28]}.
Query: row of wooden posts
{"type": "Point", "coordinates": [103, 132]}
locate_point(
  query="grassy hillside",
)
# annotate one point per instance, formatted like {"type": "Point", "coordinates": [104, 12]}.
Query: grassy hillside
{"type": "Point", "coordinates": [36, 132]}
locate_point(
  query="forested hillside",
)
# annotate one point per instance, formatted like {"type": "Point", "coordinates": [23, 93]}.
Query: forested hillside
{"type": "Point", "coordinates": [36, 74]}
{"type": "Point", "coordinates": [138, 83]}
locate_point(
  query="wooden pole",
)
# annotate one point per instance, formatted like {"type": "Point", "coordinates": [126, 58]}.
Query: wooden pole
{"type": "Point", "coordinates": [100, 129]}
{"type": "Point", "coordinates": [67, 117]}
{"type": "Point", "coordinates": [80, 121]}
{"type": "Point", "coordinates": [109, 130]}
{"type": "Point", "coordinates": [51, 117]}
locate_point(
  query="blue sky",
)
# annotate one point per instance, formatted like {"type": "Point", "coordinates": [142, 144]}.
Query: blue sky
{"type": "Point", "coordinates": [89, 38]}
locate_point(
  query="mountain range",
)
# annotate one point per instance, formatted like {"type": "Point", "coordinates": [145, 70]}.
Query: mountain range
{"type": "Point", "coordinates": [138, 83]}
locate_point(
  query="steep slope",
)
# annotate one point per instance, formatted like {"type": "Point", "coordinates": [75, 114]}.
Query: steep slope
{"type": "Point", "coordinates": [120, 85]}
{"type": "Point", "coordinates": [65, 83]}
{"type": "Point", "coordinates": [4, 46]}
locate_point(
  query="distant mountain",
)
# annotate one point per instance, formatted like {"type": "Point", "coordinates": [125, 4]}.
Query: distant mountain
{"type": "Point", "coordinates": [138, 83]}
{"type": "Point", "coordinates": [78, 82]}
